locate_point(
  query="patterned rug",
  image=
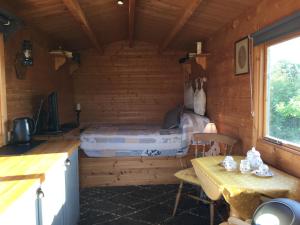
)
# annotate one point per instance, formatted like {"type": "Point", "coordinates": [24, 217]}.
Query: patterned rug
{"type": "Point", "coordinates": [142, 205]}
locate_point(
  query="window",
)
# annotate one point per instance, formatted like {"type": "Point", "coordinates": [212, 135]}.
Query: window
{"type": "Point", "coordinates": [3, 106]}
{"type": "Point", "coordinates": [282, 91]}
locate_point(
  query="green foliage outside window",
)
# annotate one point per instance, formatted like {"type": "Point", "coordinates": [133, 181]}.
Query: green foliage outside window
{"type": "Point", "coordinates": [284, 101]}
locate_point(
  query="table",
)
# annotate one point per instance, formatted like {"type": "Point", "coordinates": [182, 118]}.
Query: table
{"type": "Point", "coordinates": [242, 191]}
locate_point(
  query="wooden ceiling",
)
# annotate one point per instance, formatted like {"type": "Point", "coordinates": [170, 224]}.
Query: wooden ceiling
{"type": "Point", "coordinates": [176, 24]}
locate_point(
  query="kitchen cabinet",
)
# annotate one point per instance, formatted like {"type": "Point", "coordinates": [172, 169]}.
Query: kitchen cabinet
{"type": "Point", "coordinates": [52, 196]}
{"type": "Point", "coordinates": [59, 194]}
{"type": "Point", "coordinates": [23, 210]}
{"type": "Point", "coordinates": [71, 210]}
{"type": "Point", "coordinates": [54, 201]}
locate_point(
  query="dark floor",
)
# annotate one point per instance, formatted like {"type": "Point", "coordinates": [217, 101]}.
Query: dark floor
{"type": "Point", "coordinates": [141, 205]}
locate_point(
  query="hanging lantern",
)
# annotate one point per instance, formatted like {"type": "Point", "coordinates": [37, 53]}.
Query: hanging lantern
{"type": "Point", "coordinates": [27, 53]}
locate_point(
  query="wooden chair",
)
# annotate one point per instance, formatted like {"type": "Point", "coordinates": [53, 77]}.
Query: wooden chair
{"type": "Point", "coordinates": [204, 140]}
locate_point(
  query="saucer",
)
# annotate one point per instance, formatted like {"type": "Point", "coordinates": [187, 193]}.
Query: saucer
{"type": "Point", "coordinates": [231, 169]}
{"type": "Point", "coordinates": [221, 164]}
{"type": "Point", "coordinates": [258, 174]}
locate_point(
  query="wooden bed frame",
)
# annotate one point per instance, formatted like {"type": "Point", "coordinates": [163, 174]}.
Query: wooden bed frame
{"type": "Point", "coordinates": [122, 171]}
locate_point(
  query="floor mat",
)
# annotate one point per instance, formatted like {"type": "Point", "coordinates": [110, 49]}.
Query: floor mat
{"type": "Point", "coordinates": [142, 205]}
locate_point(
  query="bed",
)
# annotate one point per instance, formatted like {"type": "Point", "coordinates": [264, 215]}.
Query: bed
{"type": "Point", "coordinates": [141, 140]}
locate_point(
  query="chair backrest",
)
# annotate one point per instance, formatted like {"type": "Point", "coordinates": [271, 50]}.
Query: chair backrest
{"type": "Point", "coordinates": [208, 138]}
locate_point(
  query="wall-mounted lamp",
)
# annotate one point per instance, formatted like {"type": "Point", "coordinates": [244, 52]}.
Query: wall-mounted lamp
{"type": "Point", "coordinates": [23, 59]}
{"type": "Point", "coordinates": [120, 2]}
{"type": "Point", "coordinates": [210, 128]}
{"type": "Point", "coordinates": [27, 53]}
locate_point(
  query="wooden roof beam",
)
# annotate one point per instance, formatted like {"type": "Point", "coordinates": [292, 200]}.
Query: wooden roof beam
{"type": "Point", "coordinates": [188, 12]}
{"type": "Point", "coordinates": [76, 11]}
{"type": "Point", "coordinates": [131, 9]}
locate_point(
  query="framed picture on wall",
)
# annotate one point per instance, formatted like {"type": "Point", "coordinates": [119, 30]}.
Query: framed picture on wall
{"type": "Point", "coordinates": [241, 56]}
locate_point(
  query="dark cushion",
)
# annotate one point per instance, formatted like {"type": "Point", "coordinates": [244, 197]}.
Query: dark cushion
{"type": "Point", "coordinates": [170, 131]}
{"type": "Point", "coordinates": [172, 118]}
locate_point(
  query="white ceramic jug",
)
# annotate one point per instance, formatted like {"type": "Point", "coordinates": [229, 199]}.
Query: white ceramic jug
{"type": "Point", "coordinates": [189, 96]}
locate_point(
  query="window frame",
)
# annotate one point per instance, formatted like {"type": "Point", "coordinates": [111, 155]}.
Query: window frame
{"type": "Point", "coordinates": [260, 139]}
{"type": "Point", "coordinates": [3, 103]}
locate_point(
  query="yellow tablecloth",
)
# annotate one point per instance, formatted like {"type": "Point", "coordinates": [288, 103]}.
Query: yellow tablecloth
{"type": "Point", "coordinates": [243, 191]}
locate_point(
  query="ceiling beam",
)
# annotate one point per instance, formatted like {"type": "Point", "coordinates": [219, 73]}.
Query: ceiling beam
{"type": "Point", "coordinates": [183, 19]}
{"type": "Point", "coordinates": [131, 9]}
{"type": "Point", "coordinates": [76, 11]}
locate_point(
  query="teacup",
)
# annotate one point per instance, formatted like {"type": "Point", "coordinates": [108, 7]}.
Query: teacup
{"type": "Point", "coordinates": [227, 159]}
{"type": "Point", "coordinates": [230, 165]}
{"type": "Point", "coordinates": [245, 166]}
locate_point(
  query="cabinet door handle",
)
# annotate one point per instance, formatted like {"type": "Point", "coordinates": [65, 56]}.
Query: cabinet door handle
{"type": "Point", "coordinates": [67, 162]}
{"type": "Point", "coordinates": [40, 193]}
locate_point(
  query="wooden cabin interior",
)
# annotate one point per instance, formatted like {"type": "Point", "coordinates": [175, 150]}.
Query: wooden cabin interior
{"type": "Point", "coordinates": [118, 111]}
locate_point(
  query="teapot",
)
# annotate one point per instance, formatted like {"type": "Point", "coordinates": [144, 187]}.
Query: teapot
{"type": "Point", "coordinates": [254, 158]}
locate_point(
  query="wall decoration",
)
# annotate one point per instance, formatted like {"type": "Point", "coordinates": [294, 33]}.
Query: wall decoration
{"type": "Point", "coordinates": [27, 53]}
{"type": "Point", "coordinates": [200, 97]}
{"type": "Point", "coordinates": [242, 56]}
{"type": "Point", "coordinates": [23, 59]}
{"type": "Point", "coordinates": [188, 95]}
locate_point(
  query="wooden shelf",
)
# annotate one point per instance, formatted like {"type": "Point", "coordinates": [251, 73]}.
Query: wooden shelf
{"type": "Point", "coordinates": [59, 61]}
{"type": "Point", "coordinates": [61, 57]}
{"type": "Point", "coordinates": [201, 59]}
{"type": "Point", "coordinates": [203, 54]}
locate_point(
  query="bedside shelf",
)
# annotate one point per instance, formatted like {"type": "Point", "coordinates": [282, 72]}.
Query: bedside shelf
{"type": "Point", "coordinates": [201, 59]}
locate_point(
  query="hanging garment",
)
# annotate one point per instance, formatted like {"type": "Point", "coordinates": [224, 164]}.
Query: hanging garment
{"type": "Point", "coordinates": [196, 98]}
{"type": "Point", "coordinates": [189, 96]}
{"type": "Point", "coordinates": [199, 100]}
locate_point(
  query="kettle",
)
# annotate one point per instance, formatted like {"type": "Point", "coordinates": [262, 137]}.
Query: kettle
{"type": "Point", "coordinates": [23, 128]}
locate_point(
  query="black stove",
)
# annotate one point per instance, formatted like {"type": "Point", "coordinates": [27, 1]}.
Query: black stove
{"type": "Point", "coordinates": [19, 149]}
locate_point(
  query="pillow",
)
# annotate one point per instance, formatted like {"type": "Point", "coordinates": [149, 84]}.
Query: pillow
{"type": "Point", "coordinates": [172, 118]}
{"type": "Point", "coordinates": [170, 131]}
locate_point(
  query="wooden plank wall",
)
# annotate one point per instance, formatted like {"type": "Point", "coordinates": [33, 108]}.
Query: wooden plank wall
{"type": "Point", "coordinates": [23, 96]}
{"type": "Point", "coordinates": [128, 85]}
{"type": "Point", "coordinates": [228, 96]}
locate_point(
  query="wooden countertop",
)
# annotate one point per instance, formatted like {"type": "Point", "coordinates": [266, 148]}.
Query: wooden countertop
{"type": "Point", "coordinates": [19, 173]}
{"type": "Point", "coordinates": [69, 135]}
